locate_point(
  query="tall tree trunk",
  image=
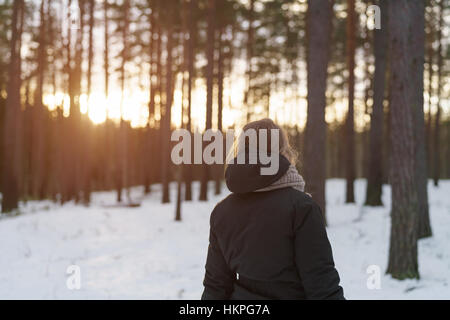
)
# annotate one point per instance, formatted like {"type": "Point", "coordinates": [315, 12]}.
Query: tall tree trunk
{"type": "Point", "coordinates": [87, 161]}
{"type": "Point", "coordinates": [250, 32]}
{"type": "Point", "coordinates": [447, 150]}
{"type": "Point", "coordinates": [375, 172]}
{"type": "Point", "coordinates": [159, 68]}
{"type": "Point", "coordinates": [58, 141]}
{"type": "Point", "coordinates": [11, 134]}
{"type": "Point", "coordinates": [387, 136]}
{"type": "Point", "coordinates": [417, 39]}
{"type": "Point", "coordinates": [184, 66]}
{"type": "Point", "coordinates": [437, 118]}
{"type": "Point", "coordinates": [220, 67]}
{"type": "Point", "coordinates": [106, 51]}
{"type": "Point", "coordinates": [65, 123]}
{"type": "Point", "coordinates": [191, 60]}
{"type": "Point", "coordinates": [37, 162]}
{"type": "Point", "coordinates": [75, 112]}
{"type": "Point", "coordinates": [166, 117]}
{"type": "Point", "coordinates": [428, 129]}
{"type": "Point", "coordinates": [108, 166]}
{"type": "Point", "coordinates": [151, 109]}
{"type": "Point", "coordinates": [209, 92]}
{"type": "Point", "coordinates": [90, 46]}
{"type": "Point", "coordinates": [349, 125]}
{"type": "Point", "coordinates": [179, 193]}
{"type": "Point", "coordinates": [122, 172]}
{"type": "Point", "coordinates": [404, 212]}
{"type": "Point", "coordinates": [318, 45]}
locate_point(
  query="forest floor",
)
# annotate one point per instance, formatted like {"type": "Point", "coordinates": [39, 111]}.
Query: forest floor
{"type": "Point", "coordinates": [142, 253]}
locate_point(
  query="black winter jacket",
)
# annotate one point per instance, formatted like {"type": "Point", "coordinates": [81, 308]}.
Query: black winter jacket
{"type": "Point", "coordinates": [268, 245]}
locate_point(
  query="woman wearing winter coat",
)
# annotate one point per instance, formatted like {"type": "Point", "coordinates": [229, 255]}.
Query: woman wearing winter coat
{"type": "Point", "coordinates": [267, 238]}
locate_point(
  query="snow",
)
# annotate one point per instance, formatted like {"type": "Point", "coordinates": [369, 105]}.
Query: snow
{"type": "Point", "coordinates": [142, 253]}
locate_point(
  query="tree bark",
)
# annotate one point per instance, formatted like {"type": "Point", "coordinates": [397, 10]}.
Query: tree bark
{"type": "Point", "coordinates": [404, 212]}
{"type": "Point", "coordinates": [437, 118]}
{"type": "Point", "coordinates": [75, 153]}
{"type": "Point", "coordinates": [318, 45]}
{"type": "Point", "coordinates": [375, 172]}
{"type": "Point", "coordinates": [349, 124]}
{"type": "Point", "coordinates": [166, 117]}
{"type": "Point", "coordinates": [122, 172]}
{"type": "Point", "coordinates": [250, 32]}
{"type": "Point", "coordinates": [87, 133]}
{"type": "Point", "coordinates": [209, 92]}
{"type": "Point", "coordinates": [191, 60]}
{"type": "Point", "coordinates": [430, 53]}
{"type": "Point", "coordinates": [417, 39]}
{"type": "Point", "coordinates": [218, 184]}
{"type": "Point", "coordinates": [151, 109]}
{"type": "Point", "coordinates": [37, 147]}
{"type": "Point", "coordinates": [11, 135]}
{"type": "Point", "coordinates": [106, 51]}
{"type": "Point", "coordinates": [179, 193]}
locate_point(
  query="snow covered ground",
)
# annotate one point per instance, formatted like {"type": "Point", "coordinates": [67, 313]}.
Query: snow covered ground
{"type": "Point", "coordinates": [142, 253]}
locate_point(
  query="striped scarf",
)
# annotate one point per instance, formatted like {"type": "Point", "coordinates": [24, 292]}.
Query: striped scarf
{"type": "Point", "coordinates": [290, 179]}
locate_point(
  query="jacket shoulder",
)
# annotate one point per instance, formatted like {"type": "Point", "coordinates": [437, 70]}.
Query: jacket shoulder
{"type": "Point", "coordinates": [221, 205]}
{"type": "Point", "coordinates": [305, 205]}
{"type": "Point", "coordinates": [302, 199]}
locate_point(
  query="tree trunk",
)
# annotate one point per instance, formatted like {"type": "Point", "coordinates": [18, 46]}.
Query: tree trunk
{"type": "Point", "coordinates": [191, 60]}
{"type": "Point", "coordinates": [91, 46]}
{"type": "Point", "coordinates": [250, 32]}
{"type": "Point", "coordinates": [404, 212]}
{"type": "Point", "coordinates": [417, 39]}
{"type": "Point", "coordinates": [375, 172]}
{"type": "Point", "coordinates": [122, 172]}
{"type": "Point", "coordinates": [37, 148]}
{"type": "Point", "coordinates": [209, 92]}
{"type": "Point", "coordinates": [159, 84]}
{"type": "Point", "coordinates": [75, 152]}
{"type": "Point", "coordinates": [87, 149]}
{"type": "Point", "coordinates": [108, 166]}
{"type": "Point", "coordinates": [66, 174]}
{"type": "Point", "coordinates": [179, 193]}
{"type": "Point", "coordinates": [431, 53]}
{"type": "Point", "coordinates": [166, 118]}
{"type": "Point", "coordinates": [437, 118]}
{"type": "Point", "coordinates": [106, 52]}
{"type": "Point", "coordinates": [349, 124]}
{"type": "Point", "coordinates": [11, 135]}
{"type": "Point", "coordinates": [318, 45]}
{"type": "Point", "coordinates": [218, 184]}
{"type": "Point", "coordinates": [151, 110]}
{"type": "Point", "coordinates": [184, 66]}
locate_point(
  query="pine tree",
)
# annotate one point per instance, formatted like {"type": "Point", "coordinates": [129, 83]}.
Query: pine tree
{"type": "Point", "coordinates": [417, 39]}
{"type": "Point", "coordinates": [166, 116]}
{"type": "Point", "coordinates": [11, 135]}
{"type": "Point", "coordinates": [209, 94]}
{"type": "Point", "coordinates": [375, 171]}
{"type": "Point", "coordinates": [318, 46]}
{"type": "Point", "coordinates": [404, 212]}
{"type": "Point", "coordinates": [437, 119]}
{"type": "Point", "coordinates": [190, 56]}
{"type": "Point", "coordinates": [350, 125]}
{"type": "Point", "coordinates": [38, 144]}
